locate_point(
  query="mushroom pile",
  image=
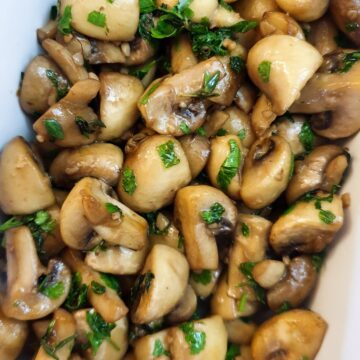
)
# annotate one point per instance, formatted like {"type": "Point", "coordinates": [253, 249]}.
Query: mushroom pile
{"type": "Point", "coordinates": [183, 184]}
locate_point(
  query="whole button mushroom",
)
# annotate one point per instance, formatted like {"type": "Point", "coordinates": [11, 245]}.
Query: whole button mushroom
{"type": "Point", "coordinates": [152, 173]}
{"type": "Point", "coordinates": [254, 10]}
{"type": "Point", "coordinates": [278, 73]}
{"type": "Point", "coordinates": [304, 10]}
{"type": "Point", "coordinates": [104, 20]}
{"type": "Point", "coordinates": [295, 334]}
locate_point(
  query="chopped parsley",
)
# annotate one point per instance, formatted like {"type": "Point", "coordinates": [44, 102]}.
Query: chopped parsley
{"type": "Point", "coordinates": [245, 229]}
{"type": "Point", "coordinates": [113, 209]}
{"type": "Point", "coordinates": [145, 99]}
{"type": "Point", "coordinates": [185, 128]}
{"type": "Point", "coordinates": [54, 129]}
{"type": "Point", "coordinates": [147, 6]}
{"type": "Point", "coordinates": [142, 285]}
{"type": "Point", "coordinates": [242, 302]}
{"type": "Point", "coordinates": [209, 84]}
{"type": "Point", "coordinates": [200, 131]}
{"type": "Point", "coordinates": [167, 154]}
{"type": "Point", "coordinates": [242, 134]}
{"type": "Point", "coordinates": [225, 5]}
{"type": "Point", "coordinates": [246, 268]}
{"type": "Point", "coordinates": [203, 277]}
{"type": "Point", "coordinates": [285, 306]}
{"type": "Point", "coordinates": [97, 18]}
{"type": "Point", "coordinates": [233, 351]}
{"type": "Point", "coordinates": [307, 137]}
{"type": "Point", "coordinates": [195, 339]}
{"type": "Point", "coordinates": [141, 72]}
{"type": "Point", "coordinates": [64, 23]}
{"type": "Point", "coordinates": [77, 297]}
{"type": "Point", "coordinates": [214, 214]}
{"type": "Point", "coordinates": [349, 60]}
{"type": "Point", "coordinates": [111, 282]}
{"type": "Point", "coordinates": [221, 132]}
{"type": "Point", "coordinates": [97, 288]}
{"type": "Point", "coordinates": [88, 127]}
{"type": "Point", "coordinates": [230, 166]}
{"type": "Point", "coordinates": [51, 289]}
{"type": "Point", "coordinates": [264, 70]}
{"type": "Point", "coordinates": [326, 216]}
{"type": "Point", "coordinates": [318, 260]}
{"type": "Point", "coordinates": [153, 229]}
{"type": "Point", "coordinates": [237, 64]}
{"type": "Point", "coordinates": [129, 184]}
{"type": "Point", "coordinates": [11, 223]}
{"type": "Point", "coordinates": [159, 349]}
{"type": "Point", "coordinates": [61, 87]}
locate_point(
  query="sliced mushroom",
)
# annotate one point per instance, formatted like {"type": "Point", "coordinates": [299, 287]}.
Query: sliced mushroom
{"type": "Point", "coordinates": [63, 329]}
{"type": "Point", "coordinates": [304, 10]}
{"type": "Point", "coordinates": [278, 23]}
{"type": "Point", "coordinates": [225, 163]}
{"type": "Point", "coordinates": [163, 158]}
{"type": "Point", "coordinates": [308, 226]}
{"type": "Point", "coordinates": [90, 208]}
{"type": "Point", "coordinates": [161, 284]}
{"type": "Point", "coordinates": [262, 115]}
{"type": "Point", "coordinates": [112, 349]}
{"type": "Point", "coordinates": [215, 121]}
{"type": "Point", "coordinates": [294, 335]}
{"type": "Point", "coordinates": [185, 307]}
{"type": "Point", "coordinates": [333, 99]}
{"type": "Point", "coordinates": [224, 17]}
{"type": "Point", "coordinates": [296, 286]}
{"type": "Point", "coordinates": [20, 168]}
{"type": "Point", "coordinates": [13, 334]}
{"type": "Point", "coordinates": [322, 169]}
{"type": "Point", "coordinates": [251, 238]}
{"type": "Point", "coordinates": [47, 31]}
{"type": "Point", "coordinates": [175, 101]}
{"type": "Point", "coordinates": [27, 296]}
{"type": "Point", "coordinates": [74, 72]}
{"type": "Point", "coordinates": [108, 304]}
{"type": "Point", "coordinates": [245, 97]}
{"type": "Point", "coordinates": [278, 73]}
{"type": "Point", "coordinates": [182, 56]}
{"type": "Point", "coordinates": [119, 95]}
{"type": "Point", "coordinates": [254, 10]}
{"type": "Point", "coordinates": [267, 273]}
{"type": "Point", "coordinates": [194, 211]}
{"type": "Point", "coordinates": [211, 340]}
{"type": "Point", "coordinates": [268, 165]}
{"type": "Point", "coordinates": [240, 332]}
{"type": "Point", "coordinates": [59, 124]}
{"type": "Point", "coordinates": [147, 346]}
{"type": "Point", "coordinates": [38, 89]}
{"type": "Point", "coordinates": [101, 161]}
{"type": "Point", "coordinates": [113, 21]}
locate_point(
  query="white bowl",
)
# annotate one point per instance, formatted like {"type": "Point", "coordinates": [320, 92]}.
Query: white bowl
{"type": "Point", "coordinates": [337, 297]}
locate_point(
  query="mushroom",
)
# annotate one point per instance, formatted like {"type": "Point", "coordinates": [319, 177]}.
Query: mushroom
{"type": "Point", "coordinates": [60, 331]}
{"type": "Point", "coordinates": [322, 35]}
{"type": "Point", "coordinates": [140, 52]}
{"type": "Point", "coordinates": [346, 16]}
{"type": "Point", "coordinates": [308, 226]}
{"type": "Point", "coordinates": [110, 21]}
{"type": "Point", "coordinates": [202, 9]}
{"type": "Point", "coordinates": [304, 10]}
{"type": "Point", "coordinates": [268, 165]}
{"type": "Point", "coordinates": [36, 292]}
{"type": "Point", "coordinates": [161, 284]}
{"type": "Point", "coordinates": [278, 23]}
{"type": "Point", "coordinates": [239, 331]}
{"type": "Point", "coordinates": [20, 168]}
{"type": "Point", "coordinates": [224, 17]}
{"type": "Point", "coordinates": [262, 115]}
{"type": "Point", "coordinates": [13, 334]}
{"type": "Point", "coordinates": [112, 348]}
{"type": "Point", "coordinates": [204, 288]}
{"type": "Point", "coordinates": [268, 273]}
{"type": "Point", "coordinates": [333, 99]}
{"type": "Point", "coordinates": [197, 151]}
{"type": "Point", "coordinates": [295, 287]}
{"type": "Point", "coordinates": [181, 100]}
{"type": "Point", "coordinates": [146, 346]}
{"type": "Point", "coordinates": [182, 56]}
{"type": "Point", "coordinates": [322, 169]}
{"type": "Point", "coordinates": [250, 244]}
{"type": "Point", "coordinates": [254, 10]}
{"type": "Point", "coordinates": [91, 209]}
{"type": "Point", "coordinates": [214, 122]}
{"type": "Point", "coordinates": [119, 94]}
{"type": "Point", "coordinates": [43, 84]}
{"type": "Point", "coordinates": [278, 73]}
{"type": "Point", "coordinates": [203, 213]}
{"type": "Point", "coordinates": [152, 173]}
{"type": "Point", "coordinates": [210, 343]}
{"type": "Point", "coordinates": [294, 334]}
{"type": "Point", "coordinates": [245, 97]}
{"type": "Point", "coordinates": [101, 161]}
{"type": "Point", "coordinates": [60, 196]}
{"type": "Point", "coordinates": [185, 307]}
{"type": "Point", "coordinates": [225, 164]}
{"type": "Point", "coordinates": [118, 260]}
{"type": "Point", "coordinates": [108, 304]}
{"type": "Point", "coordinates": [47, 31]}
{"type": "Point", "coordinates": [71, 122]}
{"type": "Point", "coordinates": [62, 56]}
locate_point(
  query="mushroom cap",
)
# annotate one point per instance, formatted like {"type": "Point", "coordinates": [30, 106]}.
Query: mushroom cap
{"type": "Point", "coordinates": [121, 18]}
{"type": "Point", "coordinates": [144, 346]}
{"type": "Point", "coordinates": [287, 75]}
{"type": "Point", "coordinates": [254, 10]}
{"type": "Point", "coordinates": [240, 332]}
{"type": "Point", "coordinates": [293, 334]}
{"type": "Point", "coordinates": [304, 10]}
{"type": "Point", "coordinates": [20, 168]}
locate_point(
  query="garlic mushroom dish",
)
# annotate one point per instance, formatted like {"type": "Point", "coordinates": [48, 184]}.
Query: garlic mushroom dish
{"type": "Point", "coordinates": [183, 183]}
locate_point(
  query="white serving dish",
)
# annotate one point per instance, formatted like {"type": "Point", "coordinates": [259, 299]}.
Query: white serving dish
{"type": "Point", "coordinates": [337, 297]}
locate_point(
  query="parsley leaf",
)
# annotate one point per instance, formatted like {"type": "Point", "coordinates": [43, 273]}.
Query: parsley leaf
{"type": "Point", "coordinates": [153, 229]}
{"type": "Point", "coordinates": [167, 154]}
{"type": "Point", "coordinates": [221, 132]}
{"type": "Point", "coordinates": [51, 289]}
{"type": "Point", "coordinates": [54, 129]}
{"type": "Point", "coordinates": [97, 288]}
{"type": "Point", "coordinates": [159, 349]}
{"type": "Point", "coordinates": [195, 339]}
{"type": "Point", "coordinates": [225, 5]}
{"type": "Point", "coordinates": [209, 84]}
{"type": "Point", "coordinates": [11, 223]}
{"type": "Point", "coordinates": [349, 60]}
{"type": "Point", "coordinates": [185, 128]}
{"type": "Point", "coordinates": [242, 134]}
{"type": "Point", "coordinates": [111, 282]}
{"type": "Point", "coordinates": [142, 285]}
{"type": "Point", "coordinates": [141, 72]}
{"type": "Point", "coordinates": [307, 137]}
{"type": "Point", "coordinates": [318, 260]}
{"type": "Point", "coordinates": [237, 64]}
{"type": "Point", "coordinates": [77, 297]}
{"type": "Point", "coordinates": [214, 214]}
{"type": "Point", "coordinates": [180, 244]}
{"type": "Point", "coordinates": [233, 351]}
{"type": "Point", "coordinates": [264, 70]}
{"type": "Point", "coordinates": [147, 6]}
{"type": "Point", "coordinates": [242, 302]}
{"type": "Point", "coordinates": [245, 230]}
{"type": "Point", "coordinates": [203, 277]}
{"type": "Point", "coordinates": [200, 131]}
{"type": "Point", "coordinates": [326, 216]}
{"type": "Point", "coordinates": [244, 26]}
{"type": "Point", "coordinates": [97, 18]}
{"type": "Point", "coordinates": [61, 87]}
{"type": "Point", "coordinates": [112, 209]}
{"type": "Point", "coordinates": [145, 99]}
{"type": "Point", "coordinates": [129, 184]}
{"type": "Point", "coordinates": [285, 306]}
{"type": "Point", "coordinates": [230, 166]}
{"type": "Point", "coordinates": [64, 23]}
{"type": "Point", "coordinates": [88, 127]}
{"type": "Point", "coordinates": [246, 268]}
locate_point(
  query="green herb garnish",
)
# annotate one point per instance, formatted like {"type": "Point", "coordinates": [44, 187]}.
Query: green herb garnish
{"type": "Point", "coordinates": [349, 60]}
{"type": "Point", "coordinates": [200, 131]}
{"type": "Point", "coordinates": [185, 128]}
{"type": "Point", "coordinates": [245, 230]}
{"type": "Point", "coordinates": [214, 214]}
{"type": "Point", "coordinates": [221, 132]}
{"type": "Point", "coordinates": [167, 154]}
{"type": "Point", "coordinates": [246, 268]}
{"type": "Point", "coordinates": [51, 289]}
{"type": "Point", "coordinates": [97, 18]}
{"type": "Point", "coordinates": [203, 277]}
{"type": "Point", "coordinates": [64, 23]}
{"type": "Point", "coordinates": [142, 71]}
{"type": "Point", "coordinates": [147, 6]}
{"type": "Point", "coordinates": [129, 184]}
{"type": "Point", "coordinates": [142, 285]}
{"type": "Point", "coordinates": [264, 70]}
{"type": "Point", "coordinates": [61, 87]}
{"type": "Point", "coordinates": [326, 216]}
{"type": "Point", "coordinates": [159, 349]}
{"type": "Point", "coordinates": [307, 137]}
{"type": "Point", "coordinates": [242, 302]}
{"type": "Point", "coordinates": [54, 129]}
{"type": "Point", "coordinates": [77, 297]}
{"type": "Point", "coordinates": [237, 64]}
{"type": "Point", "coordinates": [195, 339]}
{"type": "Point", "coordinates": [88, 127]}
{"type": "Point", "coordinates": [113, 209]}
{"type": "Point", "coordinates": [209, 84]}
{"type": "Point", "coordinates": [97, 288]}
{"type": "Point", "coordinates": [180, 244]}
{"type": "Point", "coordinates": [225, 5]}
{"type": "Point", "coordinates": [145, 99]}
{"type": "Point", "coordinates": [285, 306]}
{"type": "Point", "coordinates": [111, 282]}
{"type": "Point", "coordinates": [242, 134]}
{"type": "Point", "coordinates": [153, 229]}
{"type": "Point", "coordinates": [233, 351]}
{"type": "Point", "coordinates": [318, 260]}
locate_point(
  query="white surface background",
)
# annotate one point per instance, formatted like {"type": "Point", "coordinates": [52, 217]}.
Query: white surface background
{"type": "Point", "coordinates": [337, 297]}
